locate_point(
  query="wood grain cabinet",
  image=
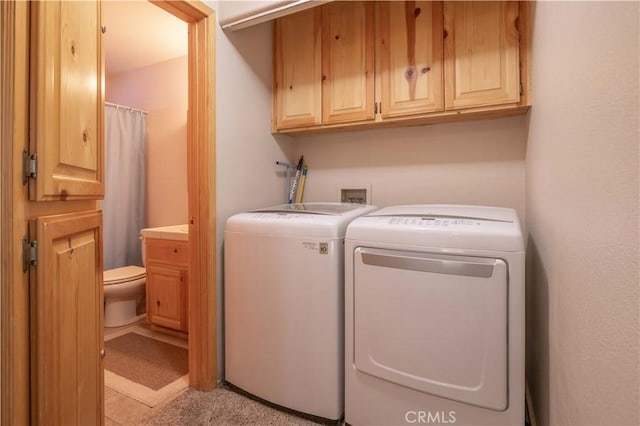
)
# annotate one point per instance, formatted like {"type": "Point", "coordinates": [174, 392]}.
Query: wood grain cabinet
{"type": "Point", "coordinates": [54, 68]}
{"type": "Point", "coordinates": [324, 66]}
{"type": "Point", "coordinates": [67, 58]}
{"type": "Point", "coordinates": [347, 62]}
{"type": "Point", "coordinates": [410, 51]}
{"type": "Point", "coordinates": [481, 53]}
{"type": "Point", "coordinates": [399, 63]}
{"type": "Point", "coordinates": [298, 76]}
{"type": "Point", "coordinates": [167, 263]}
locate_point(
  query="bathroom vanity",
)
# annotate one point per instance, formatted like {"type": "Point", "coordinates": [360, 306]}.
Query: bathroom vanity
{"type": "Point", "coordinates": [167, 263]}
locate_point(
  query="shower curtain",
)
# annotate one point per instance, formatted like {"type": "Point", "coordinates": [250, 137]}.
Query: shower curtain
{"type": "Point", "coordinates": [124, 205]}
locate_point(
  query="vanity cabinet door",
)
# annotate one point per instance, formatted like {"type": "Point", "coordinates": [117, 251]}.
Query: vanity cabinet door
{"type": "Point", "coordinates": [165, 297]}
{"type": "Point", "coordinates": [167, 283]}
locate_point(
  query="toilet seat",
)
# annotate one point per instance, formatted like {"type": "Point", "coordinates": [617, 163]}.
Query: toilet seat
{"type": "Point", "coordinates": [123, 274]}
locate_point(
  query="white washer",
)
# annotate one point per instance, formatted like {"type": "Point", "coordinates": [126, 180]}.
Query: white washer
{"type": "Point", "coordinates": [434, 315]}
{"type": "Point", "coordinates": [284, 304]}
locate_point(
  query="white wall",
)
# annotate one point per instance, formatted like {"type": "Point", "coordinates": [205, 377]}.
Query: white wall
{"type": "Point", "coordinates": [582, 214]}
{"type": "Point", "coordinates": [162, 90]}
{"type": "Point", "coordinates": [246, 173]}
{"type": "Point", "coordinates": [478, 162]}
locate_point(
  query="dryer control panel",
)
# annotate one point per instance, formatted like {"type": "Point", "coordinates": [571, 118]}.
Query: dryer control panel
{"type": "Point", "coordinates": [432, 221]}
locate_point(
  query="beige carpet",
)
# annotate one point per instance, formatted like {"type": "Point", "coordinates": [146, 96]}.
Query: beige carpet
{"type": "Point", "coordinates": [145, 365]}
{"type": "Point", "coordinates": [219, 407]}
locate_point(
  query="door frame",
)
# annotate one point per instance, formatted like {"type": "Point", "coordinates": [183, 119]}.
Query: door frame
{"type": "Point", "coordinates": [201, 186]}
{"type": "Point", "coordinates": [15, 209]}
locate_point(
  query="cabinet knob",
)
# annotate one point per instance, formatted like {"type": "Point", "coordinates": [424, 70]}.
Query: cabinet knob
{"type": "Point", "coordinates": [158, 302]}
{"type": "Point", "coordinates": [103, 353]}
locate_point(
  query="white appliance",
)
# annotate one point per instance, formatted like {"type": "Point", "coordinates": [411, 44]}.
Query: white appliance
{"type": "Point", "coordinates": [434, 313]}
{"type": "Point", "coordinates": [284, 304]}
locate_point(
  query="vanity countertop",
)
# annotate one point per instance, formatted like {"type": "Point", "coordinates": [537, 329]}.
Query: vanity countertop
{"type": "Point", "coordinates": [172, 232]}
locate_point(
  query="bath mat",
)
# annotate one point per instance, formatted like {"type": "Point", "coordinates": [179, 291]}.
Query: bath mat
{"type": "Point", "coordinates": [146, 365]}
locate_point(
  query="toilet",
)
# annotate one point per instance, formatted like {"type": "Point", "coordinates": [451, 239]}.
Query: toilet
{"type": "Point", "coordinates": [124, 289]}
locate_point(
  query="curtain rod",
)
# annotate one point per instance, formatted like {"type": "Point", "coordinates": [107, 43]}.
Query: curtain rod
{"type": "Point", "coordinates": [126, 107]}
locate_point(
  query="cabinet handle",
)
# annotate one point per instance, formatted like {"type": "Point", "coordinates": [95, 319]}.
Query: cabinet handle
{"type": "Point", "coordinates": [103, 353]}
{"type": "Point", "coordinates": [175, 250]}
{"type": "Point", "coordinates": [158, 302]}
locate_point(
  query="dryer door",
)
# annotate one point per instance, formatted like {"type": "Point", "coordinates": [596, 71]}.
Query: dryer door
{"type": "Point", "coordinates": [433, 323]}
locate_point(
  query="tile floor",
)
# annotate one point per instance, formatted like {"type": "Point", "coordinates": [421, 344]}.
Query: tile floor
{"type": "Point", "coordinates": [119, 409]}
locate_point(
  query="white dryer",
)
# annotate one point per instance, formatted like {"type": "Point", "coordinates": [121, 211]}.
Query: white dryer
{"type": "Point", "coordinates": [284, 304]}
{"type": "Point", "coordinates": [434, 315]}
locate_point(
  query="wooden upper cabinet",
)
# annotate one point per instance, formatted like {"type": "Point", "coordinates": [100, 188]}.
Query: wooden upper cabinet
{"type": "Point", "coordinates": [481, 53]}
{"type": "Point", "coordinates": [348, 61]}
{"type": "Point", "coordinates": [67, 129]}
{"type": "Point", "coordinates": [401, 62]}
{"type": "Point", "coordinates": [410, 49]}
{"type": "Point", "coordinates": [298, 70]}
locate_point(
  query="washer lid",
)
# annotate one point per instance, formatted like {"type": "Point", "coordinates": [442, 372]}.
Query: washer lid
{"type": "Point", "coordinates": [333, 209]}
{"type": "Point", "coordinates": [123, 274]}
{"type": "Point", "coordinates": [313, 220]}
{"type": "Point", "coordinates": [441, 226]}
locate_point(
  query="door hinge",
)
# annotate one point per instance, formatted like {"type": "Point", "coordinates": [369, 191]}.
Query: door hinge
{"type": "Point", "coordinates": [29, 254]}
{"type": "Point", "coordinates": [29, 166]}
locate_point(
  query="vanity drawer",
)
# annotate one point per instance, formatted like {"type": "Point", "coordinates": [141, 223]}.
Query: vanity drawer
{"type": "Point", "coordinates": [167, 251]}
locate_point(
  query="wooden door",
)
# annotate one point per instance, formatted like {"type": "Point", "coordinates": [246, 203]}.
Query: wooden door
{"type": "Point", "coordinates": [411, 57]}
{"type": "Point", "coordinates": [298, 70]}
{"type": "Point", "coordinates": [66, 100]}
{"type": "Point", "coordinates": [347, 61]}
{"type": "Point", "coordinates": [66, 320]}
{"type": "Point", "coordinates": [66, 136]}
{"type": "Point", "coordinates": [481, 53]}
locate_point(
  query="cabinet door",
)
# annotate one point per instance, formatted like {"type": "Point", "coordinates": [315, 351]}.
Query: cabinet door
{"type": "Point", "coordinates": [66, 100]}
{"type": "Point", "coordinates": [66, 320]}
{"type": "Point", "coordinates": [166, 296]}
{"type": "Point", "coordinates": [481, 53]}
{"type": "Point", "coordinates": [411, 57]}
{"type": "Point", "coordinates": [347, 61]}
{"type": "Point", "coordinates": [298, 70]}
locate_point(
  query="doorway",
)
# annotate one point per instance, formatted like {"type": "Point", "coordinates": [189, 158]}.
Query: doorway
{"type": "Point", "coordinates": [17, 210]}
{"type": "Point", "coordinates": [201, 188]}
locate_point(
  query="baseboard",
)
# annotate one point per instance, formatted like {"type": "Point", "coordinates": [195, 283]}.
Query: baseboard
{"type": "Point", "coordinates": [174, 333]}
